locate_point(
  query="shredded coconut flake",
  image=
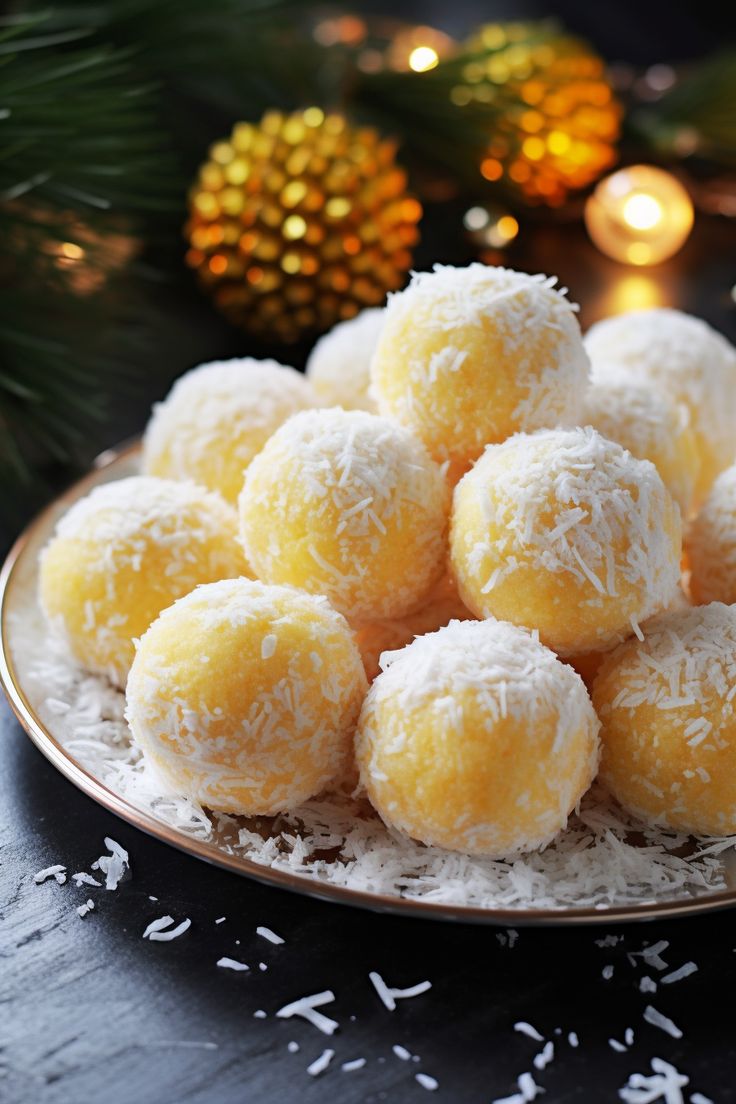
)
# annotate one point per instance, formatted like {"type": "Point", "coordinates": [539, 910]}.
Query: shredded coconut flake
{"type": "Point", "coordinates": [665, 1084]}
{"type": "Point", "coordinates": [85, 879]}
{"type": "Point", "coordinates": [427, 1082]}
{"type": "Point", "coordinates": [56, 872]}
{"type": "Point", "coordinates": [652, 1016]}
{"type": "Point", "coordinates": [677, 975]}
{"type": "Point", "coordinates": [232, 964]}
{"type": "Point", "coordinates": [355, 1064]}
{"type": "Point", "coordinates": [526, 1029]}
{"type": "Point", "coordinates": [156, 933]}
{"type": "Point", "coordinates": [319, 1065]}
{"type": "Point", "coordinates": [306, 1007]}
{"type": "Point", "coordinates": [545, 1056]}
{"type": "Point", "coordinates": [115, 865]}
{"type": "Point", "coordinates": [390, 996]}
{"type": "Point", "coordinates": [271, 936]}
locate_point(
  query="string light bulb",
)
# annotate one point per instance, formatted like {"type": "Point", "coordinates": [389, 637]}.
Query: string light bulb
{"type": "Point", "coordinates": [418, 49]}
{"type": "Point", "coordinates": [640, 215]}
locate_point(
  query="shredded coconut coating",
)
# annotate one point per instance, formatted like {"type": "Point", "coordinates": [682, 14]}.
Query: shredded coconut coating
{"type": "Point", "coordinates": [349, 505]}
{"type": "Point", "coordinates": [668, 724]}
{"type": "Point", "coordinates": [711, 544]}
{"type": "Point", "coordinates": [477, 739]}
{"type": "Point", "coordinates": [125, 552]}
{"type": "Point", "coordinates": [651, 426]}
{"type": "Point", "coordinates": [565, 532]}
{"type": "Point", "coordinates": [217, 417]}
{"type": "Point", "coordinates": [245, 696]}
{"type": "Point", "coordinates": [588, 664]}
{"type": "Point", "coordinates": [468, 356]}
{"type": "Point", "coordinates": [376, 637]}
{"type": "Point", "coordinates": [686, 359]}
{"type": "Point", "coordinates": [339, 364]}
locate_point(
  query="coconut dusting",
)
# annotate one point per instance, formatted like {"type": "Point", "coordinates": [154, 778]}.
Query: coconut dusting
{"type": "Point", "coordinates": [603, 858]}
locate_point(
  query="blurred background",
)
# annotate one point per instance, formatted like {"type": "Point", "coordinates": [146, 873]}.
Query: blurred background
{"type": "Point", "coordinates": [183, 182]}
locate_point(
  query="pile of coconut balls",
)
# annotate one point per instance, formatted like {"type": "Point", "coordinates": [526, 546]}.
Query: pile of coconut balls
{"type": "Point", "coordinates": [446, 567]}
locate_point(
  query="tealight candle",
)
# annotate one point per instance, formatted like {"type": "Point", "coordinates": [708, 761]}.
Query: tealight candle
{"type": "Point", "coordinates": [640, 215]}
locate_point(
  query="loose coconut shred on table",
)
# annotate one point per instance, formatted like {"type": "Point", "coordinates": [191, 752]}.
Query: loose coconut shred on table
{"type": "Point", "coordinates": [602, 859]}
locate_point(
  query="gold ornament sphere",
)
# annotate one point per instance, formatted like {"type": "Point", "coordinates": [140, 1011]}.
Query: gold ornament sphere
{"type": "Point", "coordinates": [640, 215]}
{"type": "Point", "coordinates": [300, 221]}
{"type": "Point", "coordinates": [553, 119]}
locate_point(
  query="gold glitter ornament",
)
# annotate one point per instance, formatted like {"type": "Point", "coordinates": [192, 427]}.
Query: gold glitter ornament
{"type": "Point", "coordinates": [300, 221]}
{"type": "Point", "coordinates": [555, 119]}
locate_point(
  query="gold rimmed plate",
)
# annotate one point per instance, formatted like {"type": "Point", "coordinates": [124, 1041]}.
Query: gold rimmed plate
{"type": "Point", "coordinates": [19, 607]}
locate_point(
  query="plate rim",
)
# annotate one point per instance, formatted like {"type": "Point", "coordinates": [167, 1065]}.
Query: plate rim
{"type": "Point", "coordinates": [302, 884]}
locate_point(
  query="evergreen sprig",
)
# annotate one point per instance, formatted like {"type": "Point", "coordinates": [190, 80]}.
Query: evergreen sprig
{"type": "Point", "coordinates": [697, 115]}
{"type": "Point", "coordinates": [83, 161]}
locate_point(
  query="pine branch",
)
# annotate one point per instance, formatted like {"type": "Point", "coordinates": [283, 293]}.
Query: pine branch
{"type": "Point", "coordinates": [82, 165]}
{"type": "Point", "coordinates": [697, 115]}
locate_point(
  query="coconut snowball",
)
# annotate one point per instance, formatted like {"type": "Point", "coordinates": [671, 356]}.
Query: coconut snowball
{"type": "Point", "coordinates": [217, 417]}
{"type": "Point", "coordinates": [349, 505]}
{"type": "Point", "coordinates": [687, 361]}
{"type": "Point", "coordinates": [339, 364]}
{"type": "Point", "coordinates": [244, 696]}
{"type": "Point", "coordinates": [468, 356]}
{"type": "Point", "coordinates": [125, 552]}
{"type": "Point", "coordinates": [711, 544]}
{"type": "Point", "coordinates": [478, 739]}
{"type": "Point", "coordinates": [565, 532]}
{"type": "Point", "coordinates": [668, 734]}
{"type": "Point", "coordinates": [651, 426]}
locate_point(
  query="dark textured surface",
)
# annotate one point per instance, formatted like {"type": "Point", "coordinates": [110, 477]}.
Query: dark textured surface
{"type": "Point", "coordinates": [92, 1012]}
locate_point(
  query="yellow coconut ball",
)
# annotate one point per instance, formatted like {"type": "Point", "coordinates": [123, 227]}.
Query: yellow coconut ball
{"type": "Point", "coordinates": [651, 426]}
{"type": "Point", "coordinates": [711, 544]}
{"type": "Point", "coordinates": [565, 532]}
{"type": "Point", "coordinates": [349, 505]}
{"type": "Point", "coordinates": [339, 364]}
{"type": "Point", "coordinates": [669, 722]}
{"type": "Point", "coordinates": [476, 738]}
{"type": "Point", "coordinates": [684, 359]}
{"type": "Point", "coordinates": [376, 637]}
{"type": "Point", "coordinates": [245, 696]}
{"type": "Point", "coordinates": [468, 356]}
{"type": "Point", "coordinates": [124, 553]}
{"type": "Point", "coordinates": [217, 417]}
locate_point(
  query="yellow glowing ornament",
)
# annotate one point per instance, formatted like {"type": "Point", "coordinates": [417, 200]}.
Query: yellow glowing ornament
{"type": "Point", "coordinates": [299, 222]}
{"type": "Point", "coordinates": [553, 120]}
{"type": "Point", "coordinates": [640, 215]}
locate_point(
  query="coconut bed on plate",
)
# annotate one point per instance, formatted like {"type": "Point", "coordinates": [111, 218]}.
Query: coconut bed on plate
{"type": "Point", "coordinates": [603, 859]}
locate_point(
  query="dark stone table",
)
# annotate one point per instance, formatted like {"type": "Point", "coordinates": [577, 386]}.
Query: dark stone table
{"type": "Point", "coordinates": [91, 1012]}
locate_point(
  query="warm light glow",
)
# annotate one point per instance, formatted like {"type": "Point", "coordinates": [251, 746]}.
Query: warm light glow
{"type": "Point", "coordinates": [71, 251]}
{"type": "Point", "coordinates": [640, 215]}
{"type": "Point", "coordinates": [642, 211]}
{"type": "Point", "coordinates": [629, 293]}
{"type": "Point", "coordinates": [488, 227]}
{"type": "Point", "coordinates": [423, 58]}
